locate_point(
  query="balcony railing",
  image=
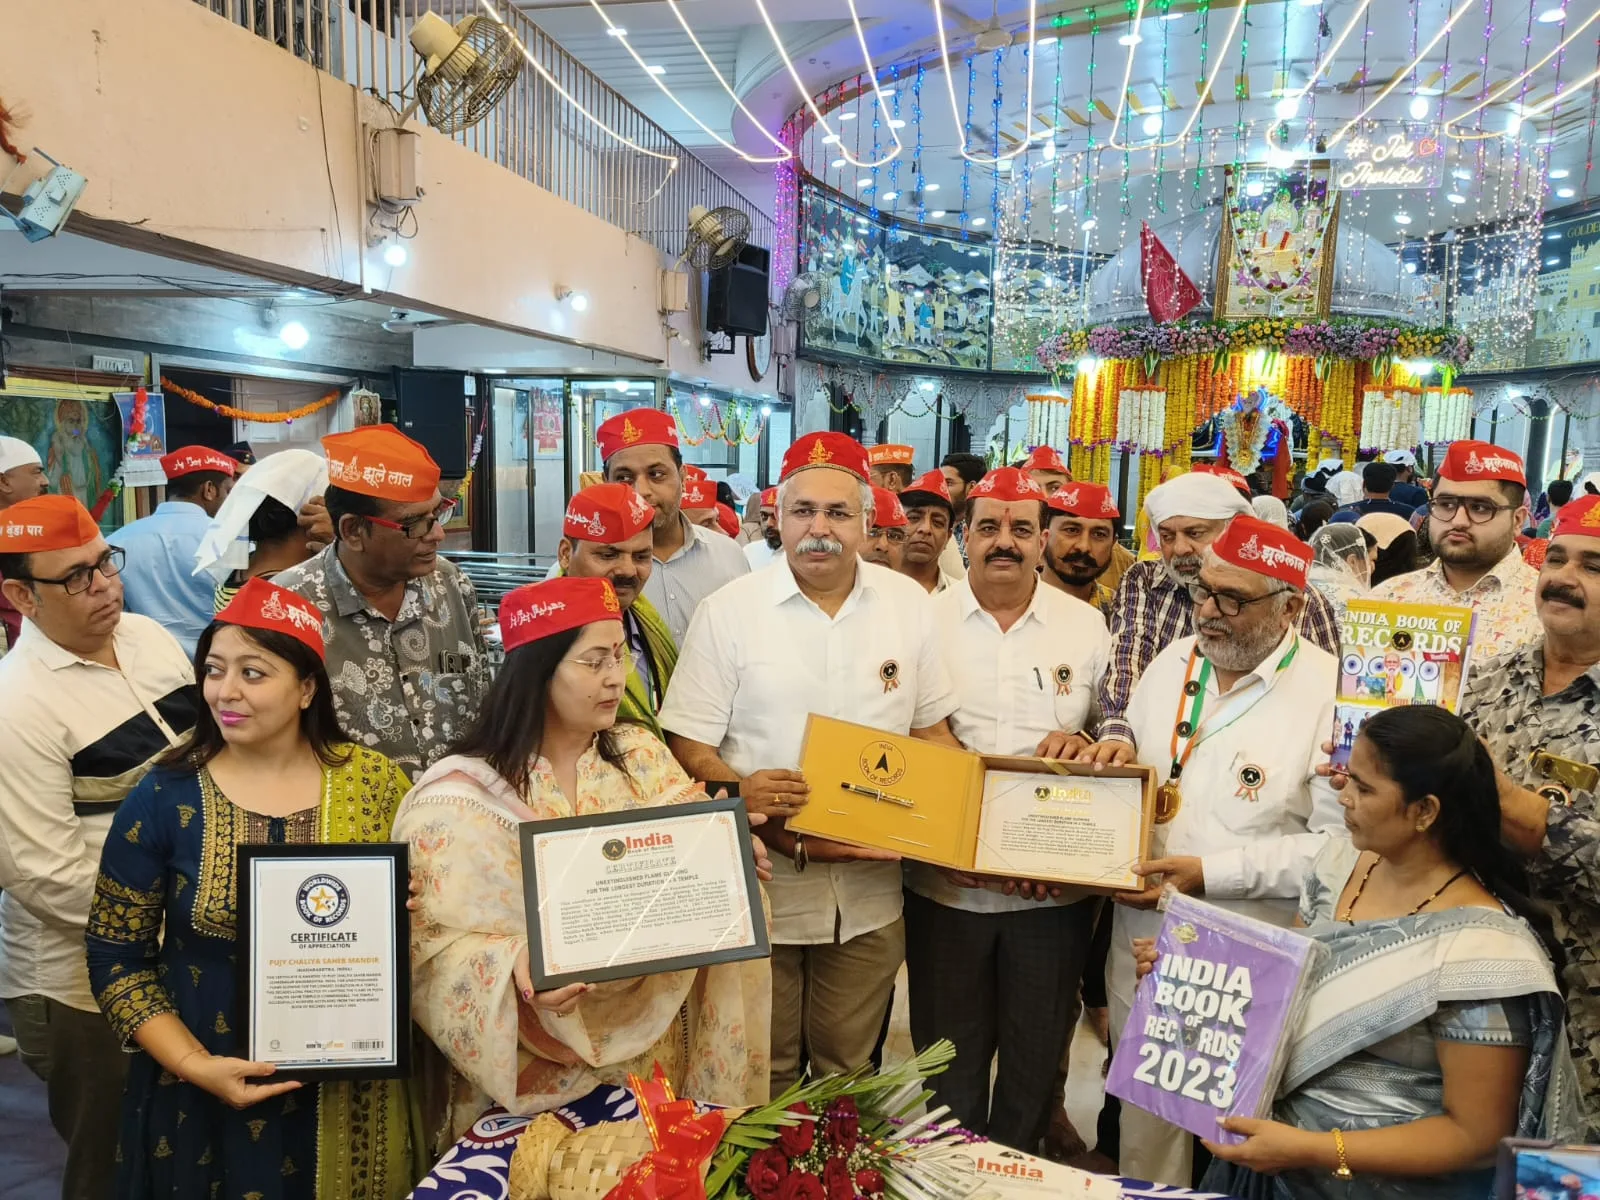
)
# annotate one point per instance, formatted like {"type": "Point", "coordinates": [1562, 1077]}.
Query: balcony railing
{"type": "Point", "coordinates": [533, 131]}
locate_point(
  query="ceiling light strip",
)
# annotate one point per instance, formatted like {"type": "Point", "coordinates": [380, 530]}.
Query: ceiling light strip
{"type": "Point", "coordinates": [621, 35]}
{"type": "Point", "coordinates": [1500, 92]}
{"type": "Point", "coordinates": [817, 113]}
{"type": "Point", "coordinates": [1395, 82]}
{"type": "Point", "coordinates": [1202, 99]}
{"type": "Point", "coordinates": [555, 84]}
{"type": "Point", "coordinates": [1029, 134]}
{"type": "Point", "coordinates": [727, 87]}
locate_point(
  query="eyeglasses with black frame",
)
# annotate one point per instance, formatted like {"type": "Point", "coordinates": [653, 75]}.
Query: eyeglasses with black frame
{"type": "Point", "coordinates": [418, 528]}
{"type": "Point", "coordinates": [1480, 509]}
{"type": "Point", "coordinates": [1228, 604]}
{"type": "Point", "coordinates": [80, 579]}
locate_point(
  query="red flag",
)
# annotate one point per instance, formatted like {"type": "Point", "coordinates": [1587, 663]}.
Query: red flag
{"type": "Point", "coordinates": [1168, 292]}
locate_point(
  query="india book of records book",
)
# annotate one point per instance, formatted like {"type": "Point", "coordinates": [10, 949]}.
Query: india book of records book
{"type": "Point", "coordinates": [1209, 1032]}
{"type": "Point", "coordinates": [1393, 654]}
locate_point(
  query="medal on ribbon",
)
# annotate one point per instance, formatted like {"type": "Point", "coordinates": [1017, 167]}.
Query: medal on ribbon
{"type": "Point", "coordinates": [1251, 777]}
{"type": "Point", "coordinates": [1063, 678]}
{"type": "Point", "coordinates": [890, 674]}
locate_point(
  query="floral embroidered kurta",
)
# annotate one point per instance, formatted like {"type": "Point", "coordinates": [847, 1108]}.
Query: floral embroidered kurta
{"type": "Point", "coordinates": [709, 1028]}
{"type": "Point", "coordinates": [161, 939]}
{"type": "Point", "coordinates": [1502, 600]}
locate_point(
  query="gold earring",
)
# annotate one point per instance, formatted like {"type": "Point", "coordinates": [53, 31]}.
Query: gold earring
{"type": "Point", "coordinates": [1422, 829]}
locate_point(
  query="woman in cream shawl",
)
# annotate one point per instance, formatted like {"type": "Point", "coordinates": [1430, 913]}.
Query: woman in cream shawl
{"type": "Point", "coordinates": [546, 746]}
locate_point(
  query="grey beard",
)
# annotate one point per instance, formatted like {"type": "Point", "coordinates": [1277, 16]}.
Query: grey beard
{"type": "Point", "coordinates": [1238, 652]}
{"type": "Point", "coordinates": [1192, 562]}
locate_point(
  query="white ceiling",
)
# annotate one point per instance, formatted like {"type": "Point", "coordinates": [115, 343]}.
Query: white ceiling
{"type": "Point", "coordinates": [1284, 46]}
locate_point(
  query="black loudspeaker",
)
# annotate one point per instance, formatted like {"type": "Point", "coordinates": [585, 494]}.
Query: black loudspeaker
{"type": "Point", "coordinates": [431, 407]}
{"type": "Point", "coordinates": [736, 297]}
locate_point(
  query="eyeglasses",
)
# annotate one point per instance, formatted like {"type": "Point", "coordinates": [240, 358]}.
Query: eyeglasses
{"type": "Point", "coordinates": [418, 528]}
{"type": "Point", "coordinates": [598, 664]}
{"type": "Point", "coordinates": [1228, 604]}
{"type": "Point", "coordinates": [1479, 510]}
{"type": "Point", "coordinates": [836, 514]}
{"type": "Point", "coordinates": [80, 579]}
{"type": "Point", "coordinates": [894, 533]}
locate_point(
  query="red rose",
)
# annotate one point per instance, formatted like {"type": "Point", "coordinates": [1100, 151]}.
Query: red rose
{"type": "Point", "coordinates": [801, 1185]}
{"type": "Point", "coordinates": [836, 1180]}
{"type": "Point", "coordinates": [870, 1182]}
{"type": "Point", "coordinates": [841, 1125]}
{"type": "Point", "coordinates": [766, 1173]}
{"type": "Point", "coordinates": [797, 1139]}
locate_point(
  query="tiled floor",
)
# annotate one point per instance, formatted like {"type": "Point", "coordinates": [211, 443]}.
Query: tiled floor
{"type": "Point", "coordinates": [31, 1155]}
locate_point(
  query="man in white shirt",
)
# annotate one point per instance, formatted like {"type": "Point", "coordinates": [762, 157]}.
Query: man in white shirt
{"type": "Point", "coordinates": [640, 449]}
{"type": "Point", "coordinates": [819, 632]}
{"type": "Point", "coordinates": [88, 697]}
{"type": "Point", "coordinates": [931, 518]}
{"type": "Point", "coordinates": [998, 973]}
{"type": "Point", "coordinates": [759, 553]}
{"type": "Point", "coordinates": [1232, 719]}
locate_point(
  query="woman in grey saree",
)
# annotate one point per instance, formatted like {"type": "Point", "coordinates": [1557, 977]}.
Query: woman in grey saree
{"type": "Point", "coordinates": [1435, 1026]}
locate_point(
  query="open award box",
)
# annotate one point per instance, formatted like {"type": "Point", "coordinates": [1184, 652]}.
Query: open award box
{"type": "Point", "coordinates": [1016, 817]}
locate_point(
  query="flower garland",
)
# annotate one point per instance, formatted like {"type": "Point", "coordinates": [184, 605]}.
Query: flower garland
{"type": "Point", "coordinates": [1049, 416]}
{"type": "Point", "coordinates": [1446, 415]}
{"type": "Point", "coordinates": [240, 414]}
{"type": "Point", "coordinates": [1142, 419]}
{"type": "Point", "coordinates": [136, 426]}
{"type": "Point", "coordinates": [1363, 338]}
{"type": "Point", "coordinates": [732, 425]}
{"type": "Point", "coordinates": [1390, 419]}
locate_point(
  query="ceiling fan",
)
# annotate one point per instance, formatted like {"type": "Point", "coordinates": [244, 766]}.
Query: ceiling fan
{"type": "Point", "coordinates": [986, 38]}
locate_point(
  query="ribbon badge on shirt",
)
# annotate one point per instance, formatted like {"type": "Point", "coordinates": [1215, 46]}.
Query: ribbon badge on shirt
{"type": "Point", "coordinates": [890, 674]}
{"type": "Point", "coordinates": [1251, 778]}
{"type": "Point", "coordinates": [1063, 678]}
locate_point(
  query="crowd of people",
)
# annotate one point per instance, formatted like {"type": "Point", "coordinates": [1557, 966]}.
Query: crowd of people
{"type": "Point", "coordinates": [280, 654]}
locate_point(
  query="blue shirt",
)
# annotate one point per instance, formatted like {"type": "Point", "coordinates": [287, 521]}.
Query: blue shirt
{"type": "Point", "coordinates": [1408, 493]}
{"type": "Point", "coordinates": [1354, 512]}
{"type": "Point", "coordinates": [158, 579]}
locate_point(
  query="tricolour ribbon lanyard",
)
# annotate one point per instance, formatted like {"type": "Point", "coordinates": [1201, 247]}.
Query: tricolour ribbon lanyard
{"type": "Point", "coordinates": [1193, 731]}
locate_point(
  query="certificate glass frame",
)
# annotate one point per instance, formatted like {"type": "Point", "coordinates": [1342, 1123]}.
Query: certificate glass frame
{"type": "Point", "coordinates": [288, 891]}
{"type": "Point", "coordinates": [591, 853]}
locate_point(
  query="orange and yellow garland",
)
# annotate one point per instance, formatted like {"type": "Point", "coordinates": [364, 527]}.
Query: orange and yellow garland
{"type": "Point", "coordinates": [240, 414]}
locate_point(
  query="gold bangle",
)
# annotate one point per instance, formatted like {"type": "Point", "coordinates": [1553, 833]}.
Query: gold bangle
{"type": "Point", "coordinates": [1343, 1170]}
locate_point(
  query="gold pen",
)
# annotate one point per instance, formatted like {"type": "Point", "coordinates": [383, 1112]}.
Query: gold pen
{"type": "Point", "coordinates": [875, 794]}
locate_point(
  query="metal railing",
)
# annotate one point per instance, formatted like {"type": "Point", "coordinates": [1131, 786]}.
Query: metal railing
{"type": "Point", "coordinates": [533, 131]}
{"type": "Point", "coordinates": [495, 574]}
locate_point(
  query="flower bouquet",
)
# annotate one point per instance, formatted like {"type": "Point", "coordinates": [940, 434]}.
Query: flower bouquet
{"type": "Point", "coordinates": [842, 1137]}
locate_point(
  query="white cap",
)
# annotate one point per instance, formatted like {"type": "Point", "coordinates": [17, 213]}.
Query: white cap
{"type": "Point", "coordinates": [1401, 458]}
{"type": "Point", "coordinates": [1590, 483]}
{"type": "Point", "coordinates": [14, 453]}
{"type": "Point", "coordinates": [290, 477]}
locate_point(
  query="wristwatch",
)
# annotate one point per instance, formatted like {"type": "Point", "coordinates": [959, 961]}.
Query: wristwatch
{"type": "Point", "coordinates": [800, 859]}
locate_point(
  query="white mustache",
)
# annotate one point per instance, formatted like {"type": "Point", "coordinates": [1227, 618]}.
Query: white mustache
{"type": "Point", "coordinates": [820, 545]}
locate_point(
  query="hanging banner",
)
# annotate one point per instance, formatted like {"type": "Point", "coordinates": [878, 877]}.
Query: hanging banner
{"type": "Point", "coordinates": [1396, 160]}
{"type": "Point", "coordinates": [142, 450]}
{"type": "Point", "coordinates": [1279, 233]}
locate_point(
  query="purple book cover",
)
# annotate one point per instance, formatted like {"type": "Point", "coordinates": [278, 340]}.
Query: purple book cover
{"type": "Point", "coordinates": [1205, 1037]}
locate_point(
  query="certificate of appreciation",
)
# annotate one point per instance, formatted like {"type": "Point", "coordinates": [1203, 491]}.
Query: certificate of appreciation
{"type": "Point", "coordinates": [1084, 829]}
{"type": "Point", "coordinates": [325, 959]}
{"type": "Point", "coordinates": [640, 892]}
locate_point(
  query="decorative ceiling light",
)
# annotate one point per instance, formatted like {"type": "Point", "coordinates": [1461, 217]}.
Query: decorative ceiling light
{"type": "Point", "coordinates": [847, 116]}
{"type": "Point", "coordinates": [1028, 134]}
{"type": "Point", "coordinates": [1456, 198]}
{"type": "Point", "coordinates": [976, 221]}
{"type": "Point", "coordinates": [617, 31]}
{"type": "Point", "coordinates": [1383, 93]}
{"type": "Point", "coordinates": [1418, 108]}
{"type": "Point", "coordinates": [1286, 108]}
{"type": "Point", "coordinates": [1505, 89]}
{"type": "Point", "coordinates": [1560, 173]}
{"type": "Point", "coordinates": [1200, 101]}
{"type": "Point", "coordinates": [936, 214]}
{"type": "Point", "coordinates": [837, 163]}
{"type": "Point", "coordinates": [1151, 124]}
{"type": "Point", "coordinates": [1402, 218]}
{"type": "Point", "coordinates": [1552, 16]}
{"type": "Point", "coordinates": [831, 140]}
{"type": "Point", "coordinates": [1565, 193]}
{"type": "Point", "coordinates": [864, 181]}
{"type": "Point", "coordinates": [930, 187]}
{"type": "Point", "coordinates": [658, 69]}
{"type": "Point", "coordinates": [1129, 39]}
{"type": "Point", "coordinates": [890, 196]}
{"type": "Point", "coordinates": [1086, 224]}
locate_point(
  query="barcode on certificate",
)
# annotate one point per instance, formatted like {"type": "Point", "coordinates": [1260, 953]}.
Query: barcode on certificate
{"type": "Point", "coordinates": [368, 1045]}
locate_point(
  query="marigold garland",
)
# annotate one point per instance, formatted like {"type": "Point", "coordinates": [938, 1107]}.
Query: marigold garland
{"type": "Point", "coordinates": [240, 414]}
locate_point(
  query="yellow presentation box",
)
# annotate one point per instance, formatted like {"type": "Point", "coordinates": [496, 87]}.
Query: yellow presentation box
{"type": "Point", "coordinates": [1017, 817]}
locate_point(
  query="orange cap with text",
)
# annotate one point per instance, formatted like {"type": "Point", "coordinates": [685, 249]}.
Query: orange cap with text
{"type": "Point", "coordinates": [825, 450]}
{"type": "Point", "coordinates": [1044, 458]}
{"type": "Point", "coordinates": [261, 604]}
{"type": "Point", "coordinates": [887, 512]}
{"type": "Point", "coordinates": [1091, 501]}
{"type": "Point", "coordinates": [1469, 462]}
{"type": "Point", "coordinates": [48, 522]}
{"type": "Point", "coordinates": [636, 427]}
{"type": "Point", "coordinates": [379, 460]}
{"type": "Point", "coordinates": [189, 459]}
{"type": "Point", "coordinates": [1580, 517]}
{"type": "Point", "coordinates": [608, 513]}
{"type": "Point", "coordinates": [1264, 548]}
{"type": "Point", "coordinates": [1005, 483]}
{"type": "Point", "coordinates": [541, 610]}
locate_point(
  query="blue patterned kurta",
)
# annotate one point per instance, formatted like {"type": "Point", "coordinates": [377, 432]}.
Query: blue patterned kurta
{"type": "Point", "coordinates": [161, 940]}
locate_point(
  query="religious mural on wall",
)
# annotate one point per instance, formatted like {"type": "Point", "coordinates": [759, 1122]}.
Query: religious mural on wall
{"type": "Point", "coordinates": [1279, 232]}
{"type": "Point", "coordinates": [79, 440]}
{"type": "Point", "coordinates": [898, 294]}
{"type": "Point", "coordinates": [1566, 315]}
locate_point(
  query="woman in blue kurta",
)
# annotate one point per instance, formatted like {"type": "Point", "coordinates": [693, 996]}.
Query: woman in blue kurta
{"type": "Point", "coordinates": [266, 763]}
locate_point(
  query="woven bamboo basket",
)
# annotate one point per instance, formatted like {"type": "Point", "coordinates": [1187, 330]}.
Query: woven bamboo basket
{"type": "Point", "coordinates": [584, 1165]}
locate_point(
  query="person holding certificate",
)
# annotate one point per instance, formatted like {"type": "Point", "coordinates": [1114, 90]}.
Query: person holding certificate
{"type": "Point", "coordinates": [266, 762]}
{"type": "Point", "coordinates": [547, 745]}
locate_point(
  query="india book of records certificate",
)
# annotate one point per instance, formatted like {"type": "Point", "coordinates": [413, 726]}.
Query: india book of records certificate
{"type": "Point", "coordinates": [640, 892]}
{"type": "Point", "coordinates": [325, 960]}
{"type": "Point", "coordinates": [1079, 829]}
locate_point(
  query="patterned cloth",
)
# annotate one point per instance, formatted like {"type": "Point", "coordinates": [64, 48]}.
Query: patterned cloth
{"type": "Point", "coordinates": [409, 687]}
{"type": "Point", "coordinates": [170, 861]}
{"type": "Point", "coordinates": [655, 655]}
{"type": "Point", "coordinates": [1365, 1054]}
{"type": "Point", "coordinates": [1506, 704]}
{"type": "Point", "coordinates": [1150, 611]}
{"type": "Point", "coordinates": [708, 1028]}
{"type": "Point", "coordinates": [1502, 599]}
{"type": "Point", "coordinates": [478, 1166]}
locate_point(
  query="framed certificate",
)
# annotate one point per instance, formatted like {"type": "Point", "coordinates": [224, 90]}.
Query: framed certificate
{"type": "Point", "coordinates": [640, 892]}
{"type": "Point", "coordinates": [325, 960]}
